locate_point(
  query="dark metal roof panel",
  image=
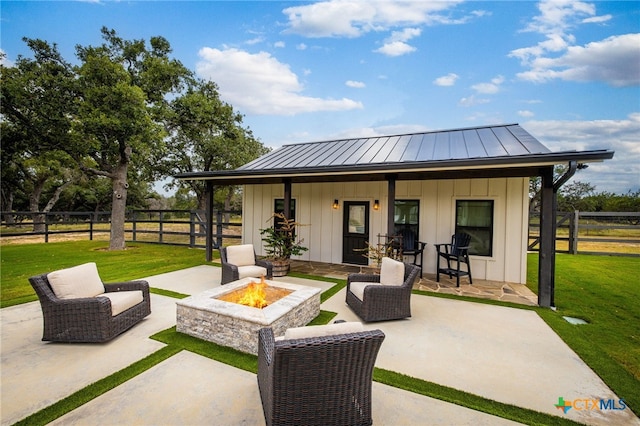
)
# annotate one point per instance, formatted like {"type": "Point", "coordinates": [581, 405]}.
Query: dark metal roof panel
{"type": "Point", "coordinates": [459, 144]}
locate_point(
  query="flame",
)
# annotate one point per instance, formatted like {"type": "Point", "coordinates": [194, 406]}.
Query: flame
{"type": "Point", "coordinates": [254, 295]}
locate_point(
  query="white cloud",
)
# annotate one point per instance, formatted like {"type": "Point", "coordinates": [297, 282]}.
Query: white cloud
{"type": "Point", "coordinates": [472, 101]}
{"type": "Point", "coordinates": [279, 44]}
{"type": "Point", "coordinates": [255, 40]}
{"type": "Point", "coordinates": [395, 48]}
{"type": "Point", "coordinates": [301, 46]}
{"type": "Point", "coordinates": [618, 175]}
{"type": "Point", "coordinates": [348, 18]}
{"type": "Point", "coordinates": [397, 45]}
{"type": "Point", "coordinates": [525, 113]}
{"type": "Point", "coordinates": [446, 80]}
{"type": "Point", "coordinates": [260, 84]}
{"type": "Point", "coordinates": [355, 84]}
{"type": "Point", "coordinates": [613, 60]}
{"type": "Point", "coordinates": [489, 88]}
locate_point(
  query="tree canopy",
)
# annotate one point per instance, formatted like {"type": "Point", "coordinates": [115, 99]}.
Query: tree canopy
{"type": "Point", "coordinates": [127, 112]}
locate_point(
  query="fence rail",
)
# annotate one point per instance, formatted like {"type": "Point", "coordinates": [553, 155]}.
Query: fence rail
{"type": "Point", "coordinates": [577, 232]}
{"type": "Point", "coordinates": [601, 233]}
{"type": "Point", "coordinates": [177, 227]}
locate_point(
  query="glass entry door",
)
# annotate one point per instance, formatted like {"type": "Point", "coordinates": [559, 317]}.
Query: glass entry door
{"type": "Point", "coordinates": [355, 232]}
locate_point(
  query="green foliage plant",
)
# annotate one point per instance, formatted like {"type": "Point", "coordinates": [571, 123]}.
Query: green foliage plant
{"type": "Point", "coordinates": [280, 242]}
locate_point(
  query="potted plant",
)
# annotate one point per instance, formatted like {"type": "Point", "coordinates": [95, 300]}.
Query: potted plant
{"type": "Point", "coordinates": [280, 243]}
{"type": "Point", "coordinates": [375, 253]}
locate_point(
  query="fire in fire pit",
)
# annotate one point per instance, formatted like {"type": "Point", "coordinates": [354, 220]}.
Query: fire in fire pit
{"type": "Point", "coordinates": [256, 295]}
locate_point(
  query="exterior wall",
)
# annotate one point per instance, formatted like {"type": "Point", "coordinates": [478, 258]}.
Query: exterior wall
{"type": "Point", "coordinates": [323, 235]}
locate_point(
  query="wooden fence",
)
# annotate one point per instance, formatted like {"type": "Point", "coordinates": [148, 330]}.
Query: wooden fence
{"type": "Point", "coordinates": [178, 227]}
{"type": "Point", "coordinates": [602, 233]}
{"type": "Point", "coordinates": [577, 232]}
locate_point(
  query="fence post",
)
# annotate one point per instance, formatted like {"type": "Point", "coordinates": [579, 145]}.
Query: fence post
{"type": "Point", "coordinates": [573, 232]}
{"type": "Point", "coordinates": [135, 215]}
{"type": "Point", "coordinates": [192, 228]}
{"type": "Point", "coordinates": [46, 227]}
{"type": "Point", "coordinates": [160, 228]}
{"type": "Point", "coordinates": [90, 227]}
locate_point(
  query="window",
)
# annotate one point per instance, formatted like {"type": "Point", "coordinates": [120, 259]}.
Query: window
{"type": "Point", "coordinates": [475, 217]}
{"type": "Point", "coordinates": [406, 218]}
{"type": "Point", "coordinates": [278, 207]}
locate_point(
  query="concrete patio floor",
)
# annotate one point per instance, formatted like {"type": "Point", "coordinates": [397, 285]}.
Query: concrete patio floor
{"type": "Point", "coordinates": [506, 354]}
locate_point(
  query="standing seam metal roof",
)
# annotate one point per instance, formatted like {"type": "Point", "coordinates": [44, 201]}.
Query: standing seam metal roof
{"type": "Point", "coordinates": [480, 142]}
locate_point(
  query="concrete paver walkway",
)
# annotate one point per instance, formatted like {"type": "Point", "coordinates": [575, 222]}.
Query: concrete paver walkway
{"type": "Point", "coordinates": [505, 354]}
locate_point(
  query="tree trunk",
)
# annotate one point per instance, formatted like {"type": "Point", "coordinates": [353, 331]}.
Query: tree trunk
{"type": "Point", "coordinates": [202, 206]}
{"type": "Point", "coordinates": [118, 206]}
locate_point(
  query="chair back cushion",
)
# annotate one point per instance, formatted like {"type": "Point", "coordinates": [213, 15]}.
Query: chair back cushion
{"type": "Point", "coordinates": [323, 330]}
{"type": "Point", "coordinates": [78, 281]}
{"type": "Point", "coordinates": [241, 255]}
{"type": "Point", "coordinates": [391, 272]}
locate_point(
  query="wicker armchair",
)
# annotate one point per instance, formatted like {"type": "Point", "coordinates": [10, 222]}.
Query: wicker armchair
{"type": "Point", "coordinates": [252, 267]}
{"type": "Point", "coordinates": [381, 302]}
{"type": "Point", "coordinates": [317, 380]}
{"type": "Point", "coordinates": [87, 319]}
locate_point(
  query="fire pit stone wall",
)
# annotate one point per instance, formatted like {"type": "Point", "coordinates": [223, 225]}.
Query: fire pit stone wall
{"type": "Point", "coordinates": [230, 324]}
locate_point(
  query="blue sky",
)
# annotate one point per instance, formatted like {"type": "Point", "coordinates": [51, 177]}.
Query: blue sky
{"type": "Point", "coordinates": [566, 71]}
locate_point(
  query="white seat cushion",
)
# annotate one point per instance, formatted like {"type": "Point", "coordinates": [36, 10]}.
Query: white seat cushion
{"type": "Point", "coordinates": [357, 288]}
{"type": "Point", "coordinates": [76, 282]}
{"type": "Point", "coordinates": [123, 300]}
{"type": "Point", "coordinates": [252, 271]}
{"type": "Point", "coordinates": [391, 272]}
{"type": "Point", "coordinates": [322, 330]}
{"type": "Point", "coordinates": [241, 255]}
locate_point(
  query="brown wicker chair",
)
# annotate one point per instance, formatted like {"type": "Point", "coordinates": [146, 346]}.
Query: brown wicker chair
{"type": "Point", "coordinates": [382, 302]}
{"type": "Point", "coordinates": [317, 380]}
{"type": "Point", "coordinates": [87, 319]}
{"type": "Point", "coordinates": [230, 272]}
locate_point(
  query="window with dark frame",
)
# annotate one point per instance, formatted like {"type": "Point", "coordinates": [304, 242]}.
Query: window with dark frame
{"type": "Point", "coordinates": [278, 207]}
{"type": "Point", "coordinates": [475, 217]}
{"type": "Point", "coordinates": [406, 219]}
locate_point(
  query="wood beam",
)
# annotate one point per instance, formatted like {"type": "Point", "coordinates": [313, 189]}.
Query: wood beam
{"type": "Point", "coordinates": [547, 253]}
{"type": "Point", "coordinates": [287, 198]}
{"type": "Point", "coordinates": [391, 203]}
{"type": "Point", "coordinates": [209, 214]}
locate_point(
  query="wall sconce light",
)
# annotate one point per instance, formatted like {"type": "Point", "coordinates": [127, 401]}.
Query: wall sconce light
{"type": "Point", "coordinates": [376, 205]}
{"type": "Point", "coordinates": [336, 204]}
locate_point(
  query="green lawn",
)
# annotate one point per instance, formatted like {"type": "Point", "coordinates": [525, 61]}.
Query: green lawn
{"type": "Point", "coordinates": [19, 262]}
{"type": "Point", "coordinates": [602, 290]}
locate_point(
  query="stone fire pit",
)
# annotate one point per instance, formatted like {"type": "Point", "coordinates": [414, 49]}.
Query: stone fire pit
{"type": "Point", "coordinates": [230, 324]}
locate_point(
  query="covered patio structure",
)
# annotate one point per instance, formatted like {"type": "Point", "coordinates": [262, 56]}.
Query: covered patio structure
{"type": "Point", "coordinates": [479, 153]}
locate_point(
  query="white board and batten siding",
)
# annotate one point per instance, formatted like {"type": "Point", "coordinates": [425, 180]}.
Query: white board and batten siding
{"type": "Point", "coordinates": [323, 233]}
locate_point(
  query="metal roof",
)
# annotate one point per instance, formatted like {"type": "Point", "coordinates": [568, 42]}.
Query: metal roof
{"type": "Point", "coordinates": [461, 144]}
{"type": "Point", "coordinates": [488, 151]}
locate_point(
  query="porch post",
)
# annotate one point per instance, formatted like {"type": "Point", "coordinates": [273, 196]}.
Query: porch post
{"type": "Point", "coordinates": [391, 203]}
{"type": "Point", "coordinates": [209, 227]}
{"type": "Point", "coordinates": [547, 253]}
{"type": "Point", "coordinates": [287, 198]}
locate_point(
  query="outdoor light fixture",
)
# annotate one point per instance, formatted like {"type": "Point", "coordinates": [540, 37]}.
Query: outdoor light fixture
{"type": "Point", "coordinates": [376, 204]}
{"type": "Point", "coordinates": [335, 205]}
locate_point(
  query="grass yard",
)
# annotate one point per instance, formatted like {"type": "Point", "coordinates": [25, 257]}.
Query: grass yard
{"type": "Point", "coordinates": [19, 262]}
{"type": "Point", "coordinates": [604, 291]}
